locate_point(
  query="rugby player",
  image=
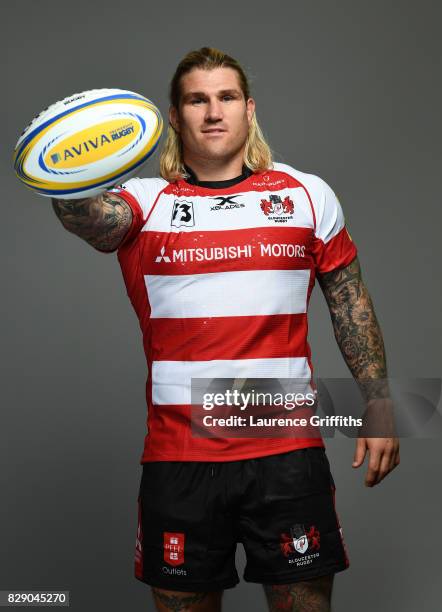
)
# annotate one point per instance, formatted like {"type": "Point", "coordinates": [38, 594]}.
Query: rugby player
{"type": "Point", "coordinates": [219, 256]}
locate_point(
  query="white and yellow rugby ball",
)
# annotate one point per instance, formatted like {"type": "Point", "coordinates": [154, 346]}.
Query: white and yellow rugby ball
{"type": "Point", "coordinates": [87, 142]}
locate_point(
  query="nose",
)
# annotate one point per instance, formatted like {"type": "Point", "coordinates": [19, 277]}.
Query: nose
{"type": "Point", "coordinates": [214, 110]}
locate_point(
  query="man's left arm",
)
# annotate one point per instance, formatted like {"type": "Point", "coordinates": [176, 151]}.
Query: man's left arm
{"type": "Point", "coordinates": [359, 337]}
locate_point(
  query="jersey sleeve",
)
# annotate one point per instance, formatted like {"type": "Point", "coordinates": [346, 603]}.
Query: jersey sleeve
{"type": "Point", "coordinates": [140, 195]}
{"type": "Point", "coordinates": [332, 246]}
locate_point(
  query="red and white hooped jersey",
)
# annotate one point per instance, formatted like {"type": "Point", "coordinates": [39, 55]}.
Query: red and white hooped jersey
{"type": "Point", "coordinates": [220, 279]}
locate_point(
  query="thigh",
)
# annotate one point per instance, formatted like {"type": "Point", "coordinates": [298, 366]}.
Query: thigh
{"type": "Point", "coordinates": [288, 524]}
{"type": "Point", "coordinates": [177, 601]}
{"type": "Point", "coordinates": [185, 541]}
{"type": "Point", "coordinates": [312, 595]}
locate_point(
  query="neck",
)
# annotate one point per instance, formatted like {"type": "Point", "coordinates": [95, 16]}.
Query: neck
{"type": "Point", "coordinates": [215, 170]}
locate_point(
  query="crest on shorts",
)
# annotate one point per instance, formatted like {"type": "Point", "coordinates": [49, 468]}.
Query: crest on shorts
{"type": "Point", "coordinates": [173, 548]}
{"type": "Point", "coordinates": [300, 540]}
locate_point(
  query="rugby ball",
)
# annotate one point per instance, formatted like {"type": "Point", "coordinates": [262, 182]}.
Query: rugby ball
{"type": "Point", "coordinates": [86, 143]}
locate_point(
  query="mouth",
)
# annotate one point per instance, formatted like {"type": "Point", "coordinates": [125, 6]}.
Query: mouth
{"type": "Point", "coordinates": [213, 131]}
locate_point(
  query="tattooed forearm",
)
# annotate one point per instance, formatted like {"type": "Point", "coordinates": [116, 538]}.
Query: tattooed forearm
{"type": "Point", "coordinates": [356, 328]}
{"type": "Point", "coordinates": [306, 596]}
{"type": "Point", "coordinates": [101, 221]}
{"type": "Point", "coordinates": [177, 602]}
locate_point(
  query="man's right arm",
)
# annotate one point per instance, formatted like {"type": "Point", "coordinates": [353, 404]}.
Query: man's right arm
{"type": "Point", "coordinates": [102, 221]}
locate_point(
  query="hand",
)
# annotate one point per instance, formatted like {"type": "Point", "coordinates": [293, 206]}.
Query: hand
{"type": "Point", "coordinates": [383, 457]}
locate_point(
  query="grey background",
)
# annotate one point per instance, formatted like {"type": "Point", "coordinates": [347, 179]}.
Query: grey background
{"type": "Point", "coordinates": [348, 90]}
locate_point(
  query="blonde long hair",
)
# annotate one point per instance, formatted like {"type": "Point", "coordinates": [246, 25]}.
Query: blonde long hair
{"type": "Point", "coordinates": [257, 154]}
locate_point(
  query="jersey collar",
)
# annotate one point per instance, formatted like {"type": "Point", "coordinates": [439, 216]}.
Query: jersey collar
{"type": "Point", "coordinates": [192, 179]}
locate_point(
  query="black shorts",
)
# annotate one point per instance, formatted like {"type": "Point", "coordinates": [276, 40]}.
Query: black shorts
{"type": "Point", "coordinates": [191, 515]}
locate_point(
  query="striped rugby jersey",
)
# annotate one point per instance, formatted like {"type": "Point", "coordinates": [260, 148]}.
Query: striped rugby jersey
{"type": "Point", "coordinates": [220, 279]}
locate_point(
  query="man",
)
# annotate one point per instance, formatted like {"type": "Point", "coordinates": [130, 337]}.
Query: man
{"type": "Point", "coordinates": [217, 296]}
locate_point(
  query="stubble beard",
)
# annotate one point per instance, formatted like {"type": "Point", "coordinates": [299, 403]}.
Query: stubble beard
{"type": "Point", "coordinates": [219, 154]}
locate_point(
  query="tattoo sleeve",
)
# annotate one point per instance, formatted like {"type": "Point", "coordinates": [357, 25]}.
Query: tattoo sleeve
{"type": "Point", "coordinates": [307, 596]}
{"type": "Point", "coordinates": [102, 221]}
{"type": "Point", "coordinates": [179, 602]}
{"type": "Point", "coordinates": [356, 328]}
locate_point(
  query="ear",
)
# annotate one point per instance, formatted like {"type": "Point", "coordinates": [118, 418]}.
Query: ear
{"type": "Point", "coordinates": [173, 118]}
{"type": "Point", "coordinates": [250, 109]}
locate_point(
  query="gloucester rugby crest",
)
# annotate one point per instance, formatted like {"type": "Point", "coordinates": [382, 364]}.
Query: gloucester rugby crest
{"type": "Point", "coordinates": [302, 546]}
{"type": "Point", "coordinates": [276, 209]}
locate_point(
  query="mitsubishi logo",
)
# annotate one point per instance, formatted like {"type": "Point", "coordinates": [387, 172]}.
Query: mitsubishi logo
{"type": "Point", "coordinates": [161, 257]}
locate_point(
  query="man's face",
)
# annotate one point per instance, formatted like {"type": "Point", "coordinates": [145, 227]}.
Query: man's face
{"type": "Point", "coordinates": [213, 118]}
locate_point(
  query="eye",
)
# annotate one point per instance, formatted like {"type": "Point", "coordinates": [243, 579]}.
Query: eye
{"type": "Point", "coordinates": [227, 97]}
{"type": "Point", "coordinates": [196, 101]}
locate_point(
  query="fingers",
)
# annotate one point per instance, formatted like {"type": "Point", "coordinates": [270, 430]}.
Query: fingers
{"type": "Point", "coordinates": [372, 476]}
{"type": "Point", "coordinates": [360, 451]}
{"type": "Point", "coordinates": [384, 457]}
{"type": "Point", "coordinates": [385, 467]}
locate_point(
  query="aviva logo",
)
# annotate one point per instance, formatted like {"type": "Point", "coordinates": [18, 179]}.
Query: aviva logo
{"type": "Point", "coordinates": [92, 144]}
